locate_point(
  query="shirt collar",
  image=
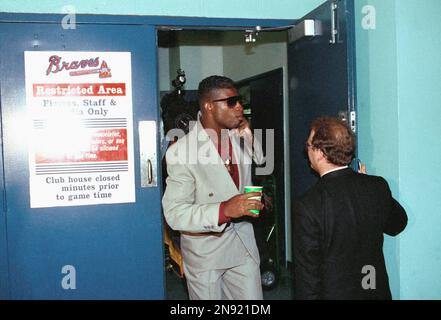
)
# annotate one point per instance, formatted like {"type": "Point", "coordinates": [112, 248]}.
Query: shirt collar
{"type": "Point", "coordinates": [332, 170]}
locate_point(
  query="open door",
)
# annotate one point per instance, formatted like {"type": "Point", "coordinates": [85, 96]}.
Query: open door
{"type": "Point", "coordinates": [321, 75]}
{"type": "Point", "coordinates": [79, 138]}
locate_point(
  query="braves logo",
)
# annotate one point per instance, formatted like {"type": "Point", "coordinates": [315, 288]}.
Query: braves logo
{"type": "Point", "coordinates": [57, 65]}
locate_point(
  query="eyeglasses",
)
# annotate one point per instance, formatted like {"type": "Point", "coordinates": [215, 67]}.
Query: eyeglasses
{"type": "Point", "coordinates": [231, 101]}
{"type": "Point", "coordinates": [308, 145]}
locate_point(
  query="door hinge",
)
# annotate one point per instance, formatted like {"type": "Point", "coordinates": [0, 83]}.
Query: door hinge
{"type": "Point", "coordinates": [353, 121]}
{"type": "Point", "coordinates": [334, 23]}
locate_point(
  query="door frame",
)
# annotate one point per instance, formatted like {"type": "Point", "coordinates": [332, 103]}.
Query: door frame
{"type": "Point", "coordinates": [161, 22]}
{"type": "Point", "coordinates": [4, 256]}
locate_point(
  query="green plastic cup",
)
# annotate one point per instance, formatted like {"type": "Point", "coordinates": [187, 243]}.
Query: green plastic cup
{"type": "Point", "coordinates": [254, 189]}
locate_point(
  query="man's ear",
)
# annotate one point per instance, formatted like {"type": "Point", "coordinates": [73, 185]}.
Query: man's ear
{"type": "Point", "coordinates": [321, 156]}
{"type": "Point", "coordinates": [207, 106]}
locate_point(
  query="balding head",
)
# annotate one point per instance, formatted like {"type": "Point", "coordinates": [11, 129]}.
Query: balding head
{"type": "Point", "coordinates": [335, 139]}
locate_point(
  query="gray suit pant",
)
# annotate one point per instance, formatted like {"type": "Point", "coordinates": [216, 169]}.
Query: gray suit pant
{"type": "Point", "coordinates": [237, 283]}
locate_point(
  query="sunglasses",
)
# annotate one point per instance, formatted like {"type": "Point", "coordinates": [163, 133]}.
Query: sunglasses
{"type": "Point", "coordinates": [231, 101]}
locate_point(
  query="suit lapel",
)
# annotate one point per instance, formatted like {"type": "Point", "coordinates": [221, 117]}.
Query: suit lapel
{"type": "Point", "coordinates": [210, 160]}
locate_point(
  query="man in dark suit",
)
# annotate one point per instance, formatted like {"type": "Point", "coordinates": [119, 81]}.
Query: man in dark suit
{"type": "Point", "coordinates": [338, 224]}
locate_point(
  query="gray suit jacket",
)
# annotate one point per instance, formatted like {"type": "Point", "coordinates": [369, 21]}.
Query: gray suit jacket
{"type": "Point", "coordinates": [197, 183]}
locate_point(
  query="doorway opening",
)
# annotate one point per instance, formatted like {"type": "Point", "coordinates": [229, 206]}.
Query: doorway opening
{"type": "Point", "coordinates": [259, 69]}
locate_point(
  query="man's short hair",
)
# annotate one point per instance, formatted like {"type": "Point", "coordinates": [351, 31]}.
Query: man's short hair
{"type": "Point", "coordinates": [212, 83]}
{"type": "Point", "coordinates": [334, 138]}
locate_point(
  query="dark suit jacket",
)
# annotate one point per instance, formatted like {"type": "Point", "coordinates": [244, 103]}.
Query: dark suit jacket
{"type": "Point", "coordinates": [338, 228]}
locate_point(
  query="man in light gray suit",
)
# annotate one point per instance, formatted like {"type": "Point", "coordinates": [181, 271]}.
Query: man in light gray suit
{"type": "Point", "coordinates": [207, 171]}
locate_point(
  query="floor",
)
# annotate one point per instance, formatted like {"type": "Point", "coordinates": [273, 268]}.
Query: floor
{"type": "Point", "coordinates": [176, 288]}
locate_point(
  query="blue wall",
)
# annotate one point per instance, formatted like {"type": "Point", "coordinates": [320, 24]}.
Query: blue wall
{"type": "Point", "coordinates": [279, 9]}
{"type": "Point", "coordinates": [419, 110]}
{"type": "Point", "coordinates": [399, 97]}
{"type": "Point", "coordinates": [377, 109]}
{"type": "Point", "coordinates": [399, 91]}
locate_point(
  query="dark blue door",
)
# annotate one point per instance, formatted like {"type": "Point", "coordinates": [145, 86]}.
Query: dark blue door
{"type": "Point", "coordinates": [110, 248]}
{"type": "Point", "coordinates": [321, 72]}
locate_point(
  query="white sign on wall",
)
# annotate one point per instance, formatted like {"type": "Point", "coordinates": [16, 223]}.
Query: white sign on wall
{"type": "Point", "coordinates": [81, 130]}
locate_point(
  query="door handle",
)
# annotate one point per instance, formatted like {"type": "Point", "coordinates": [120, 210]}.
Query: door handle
{"type": "Point", "coordinates": [148, 162]}
{"type": "Point", "coordinates": [149, 172]}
